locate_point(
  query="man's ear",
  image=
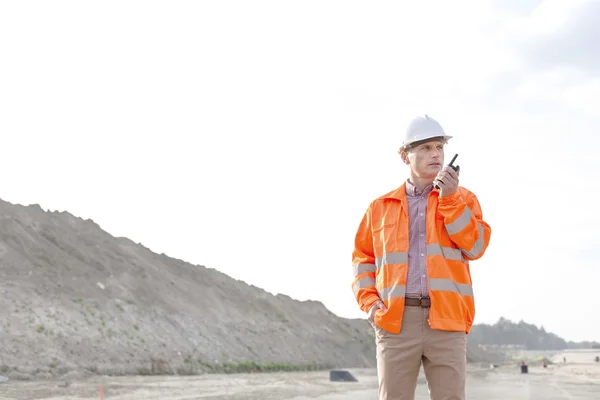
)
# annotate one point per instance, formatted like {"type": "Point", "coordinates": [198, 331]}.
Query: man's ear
{"type": "Point", "coordinates": [404, 157]}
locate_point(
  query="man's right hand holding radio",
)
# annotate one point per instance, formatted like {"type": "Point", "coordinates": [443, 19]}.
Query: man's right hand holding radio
{"type": "Point", "coordinates": [447, 179]}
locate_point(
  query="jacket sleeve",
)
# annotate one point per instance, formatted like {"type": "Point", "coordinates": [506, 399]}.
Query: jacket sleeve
{"type": "Point", "coordinates": [464, 223]}
{"type": "Point", "coordinates": [363, 265]}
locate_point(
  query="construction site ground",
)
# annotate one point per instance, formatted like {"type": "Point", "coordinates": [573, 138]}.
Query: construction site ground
{"type": "Point", "coordinates": [578, 379]}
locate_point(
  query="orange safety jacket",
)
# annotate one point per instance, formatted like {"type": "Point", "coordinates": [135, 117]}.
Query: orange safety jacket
{"type": "Point", "coordinates": [455, 234]}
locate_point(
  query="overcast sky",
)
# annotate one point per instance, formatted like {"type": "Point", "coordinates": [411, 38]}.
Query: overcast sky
{"type": "Point", "coordinates": [251, 136]}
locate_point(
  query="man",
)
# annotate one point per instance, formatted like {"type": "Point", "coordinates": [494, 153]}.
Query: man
{"type": "Point", "coordinates": [411, 270]}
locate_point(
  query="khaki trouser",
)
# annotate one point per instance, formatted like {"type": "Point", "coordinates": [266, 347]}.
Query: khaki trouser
{"type": "Point", "coordinates": [399, 358]}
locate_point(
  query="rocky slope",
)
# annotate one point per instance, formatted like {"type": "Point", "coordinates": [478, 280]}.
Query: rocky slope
{"type": "Point", "coordinates": [75, 298]}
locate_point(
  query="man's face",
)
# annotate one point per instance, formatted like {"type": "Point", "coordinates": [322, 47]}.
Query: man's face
{"type": "Point", "coordinates": [426, 160]}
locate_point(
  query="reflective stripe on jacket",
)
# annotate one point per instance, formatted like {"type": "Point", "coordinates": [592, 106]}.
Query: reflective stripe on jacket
{"type": "Point", "coordinates": [456, 233]}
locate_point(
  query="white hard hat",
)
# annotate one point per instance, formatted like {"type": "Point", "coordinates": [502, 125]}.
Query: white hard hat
{"type": "Point", "coordinates": [421, 128]}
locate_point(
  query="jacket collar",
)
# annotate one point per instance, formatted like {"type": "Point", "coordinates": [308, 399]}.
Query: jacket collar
{"type": "Point", "coordinates": [397, 194]}
{"type": "Point", "coordinates": [400, 194]}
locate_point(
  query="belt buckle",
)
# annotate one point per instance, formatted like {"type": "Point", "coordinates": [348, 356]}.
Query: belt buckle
{"type": "Point", "coordinates": [423, 302]}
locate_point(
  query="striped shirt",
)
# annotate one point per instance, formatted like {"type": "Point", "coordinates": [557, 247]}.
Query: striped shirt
{"type": "Point", "coordinates": [416, 285]}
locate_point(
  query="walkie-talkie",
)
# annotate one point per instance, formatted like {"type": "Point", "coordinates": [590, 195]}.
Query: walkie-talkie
{"type": "Point", "coordinates": [450, 165]}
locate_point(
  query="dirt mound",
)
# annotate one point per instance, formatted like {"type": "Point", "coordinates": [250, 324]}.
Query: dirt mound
{"type": "Point", "coordinates": [77, 298]}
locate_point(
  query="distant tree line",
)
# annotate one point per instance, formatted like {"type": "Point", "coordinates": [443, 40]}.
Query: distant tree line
{"type": "Point", "coordinates": [521, 334]}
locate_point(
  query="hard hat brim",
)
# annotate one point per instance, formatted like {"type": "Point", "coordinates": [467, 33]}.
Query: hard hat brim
{"type": "Point", "coordinates": [421, 140]}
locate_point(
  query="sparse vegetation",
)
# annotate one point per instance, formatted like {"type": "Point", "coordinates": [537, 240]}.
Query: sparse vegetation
{"type": "Point", "coordinates": [248, 366]}
{"type": "Point", "coordinates": [281, 317]}
{"type": "Point", "coordinates": [192, 367]}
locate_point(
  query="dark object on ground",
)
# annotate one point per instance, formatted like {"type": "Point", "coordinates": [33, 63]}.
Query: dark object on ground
{"type": "Point", "coordinates": [524, 369]}
{"type": "Point", "coordinates": [341, 376]}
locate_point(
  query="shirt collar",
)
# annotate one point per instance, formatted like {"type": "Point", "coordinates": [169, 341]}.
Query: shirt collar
{"type": "Point", "coordinates": [413, 191]}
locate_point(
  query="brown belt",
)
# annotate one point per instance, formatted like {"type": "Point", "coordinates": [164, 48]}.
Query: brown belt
{"type": "Point", "coordinates": [424, 302]}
